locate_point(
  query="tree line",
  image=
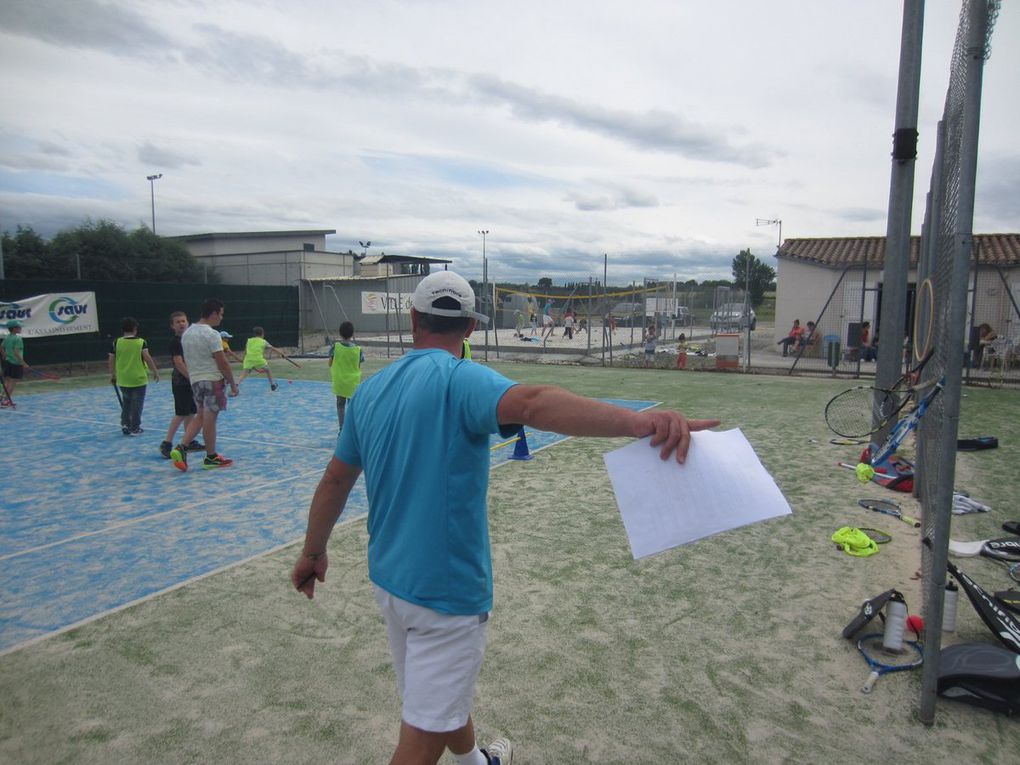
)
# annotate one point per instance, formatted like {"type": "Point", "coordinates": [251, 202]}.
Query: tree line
{"type": "Point", "coordinates": [102, 251]}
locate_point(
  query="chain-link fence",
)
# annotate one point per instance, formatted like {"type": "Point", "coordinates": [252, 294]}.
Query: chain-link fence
{"type": "Point", "coordinates": [946, 255]}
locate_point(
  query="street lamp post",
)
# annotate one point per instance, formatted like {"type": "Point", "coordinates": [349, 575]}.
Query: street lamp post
{"type": "Point", "coordinates": [747, 285]}
{"type": "Point", "coordinates": [152, 195]}
{"type": "Point", "coordinates": [485, 288]}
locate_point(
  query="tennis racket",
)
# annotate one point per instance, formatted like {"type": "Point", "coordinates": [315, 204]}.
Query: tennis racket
{"type": "Point", "coordinates": [924, 320]}
{"type": "Point", "coordinates": [848, 441]}
{"type": "Point", "coordinates": [903, 428]}
{"type": "Point", "coordinates": [42, 374]}
{"type": "Point", "coordinates": [861, 411]}
{"type": "Point", "coordinates": [877, 536]}
{"type": "Point", "coordinates": [1004, 551]}
{"type": "Point", "coordinates": [883, 661]}
{"type": "Point", "coordinates": [1012, 568]}
{"type": "Point", "coordinates": [888, 507]}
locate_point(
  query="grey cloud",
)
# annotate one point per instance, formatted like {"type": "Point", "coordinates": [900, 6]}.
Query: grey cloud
{"type": "Point", "coordinates": [53, 149]}
{"type": "Point", "coordinates": [82, 24]}
{"type": "Point", "coordinates": [163, 158]}
{"type": "Point", "coordinates": [860, 214]}
{"type": "Point", "coordinates": [616, 201]}
{"type": "Point", "coordinates": [590, 203]}
{"type": "Point", "coordinates": [252, 58]}
{"type": "Point", "coordinates": [655, 129]}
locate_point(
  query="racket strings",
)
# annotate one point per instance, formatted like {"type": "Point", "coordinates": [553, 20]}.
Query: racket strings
{"type": "Point", "coordinates": [908, 656]}
{"type": "Point", "coordinates": [858, 412]}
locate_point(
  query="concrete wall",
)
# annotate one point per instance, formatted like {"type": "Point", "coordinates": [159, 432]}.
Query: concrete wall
{"type": "Point", "coordinates": [252, 244]}
{"type": "Point", "coordinates": [324, 305]}
{"type": "Point", "coordinates": [279, 268]}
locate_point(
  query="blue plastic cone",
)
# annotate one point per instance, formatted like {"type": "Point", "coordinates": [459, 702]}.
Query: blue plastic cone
{"type": "Point", "coordinates": [521, 447]}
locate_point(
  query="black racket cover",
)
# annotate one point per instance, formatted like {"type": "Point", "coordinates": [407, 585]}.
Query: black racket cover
{"type": "Point", "coordinates": [869, 609]}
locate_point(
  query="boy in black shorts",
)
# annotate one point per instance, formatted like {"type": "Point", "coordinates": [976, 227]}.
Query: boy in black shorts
{"type": "Point", "coordinates": [184, 401]}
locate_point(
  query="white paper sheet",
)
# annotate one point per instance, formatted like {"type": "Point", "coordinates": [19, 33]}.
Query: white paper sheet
{"type": "Point", "coordinates": [721, 486]}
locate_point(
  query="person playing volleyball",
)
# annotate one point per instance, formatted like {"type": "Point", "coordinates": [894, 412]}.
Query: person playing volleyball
{"type": "Point", "coordinates": [420, 431]}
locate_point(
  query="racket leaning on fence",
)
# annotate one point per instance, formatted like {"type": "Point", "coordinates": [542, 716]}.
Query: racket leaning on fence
{"type": "Point", "coordinates": [859, 412]}
{"type": "Point", "coordinates": [888, 507]}
{"type": "Point", "coordinates": [883, 661]}
{"type": "Point", "coordinates": [903, 428]}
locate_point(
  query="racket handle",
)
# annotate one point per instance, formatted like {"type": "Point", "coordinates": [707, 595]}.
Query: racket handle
{"type": "Point", "coordinates": [869, 683]}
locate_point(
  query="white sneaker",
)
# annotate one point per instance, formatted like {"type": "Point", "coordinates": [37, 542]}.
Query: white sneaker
{"type": "Point", "coordinates": [500, 752]}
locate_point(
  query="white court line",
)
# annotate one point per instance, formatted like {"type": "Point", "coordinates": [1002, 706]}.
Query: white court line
{"type": "Point", "coordinates": [146, 518]}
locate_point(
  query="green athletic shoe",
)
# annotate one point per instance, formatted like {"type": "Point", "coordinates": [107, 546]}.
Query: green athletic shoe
{"type": "Point", "coordinates": [179, 456]}
{"type": "Point", "coordinates": [216, 461]}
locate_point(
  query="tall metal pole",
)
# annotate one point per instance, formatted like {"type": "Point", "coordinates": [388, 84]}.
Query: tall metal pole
{"type": "Point", "coordinates": [152, 195]}
{"type": "Point", "coordinates": [892, 321]}
{"type": "Point", "coordinates": [779, 244]}
{"type": "Point", "coordinates": [485, 289]}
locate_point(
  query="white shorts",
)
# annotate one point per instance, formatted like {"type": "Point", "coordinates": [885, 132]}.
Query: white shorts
{"type": "Point", "coordinates": [437, 658]}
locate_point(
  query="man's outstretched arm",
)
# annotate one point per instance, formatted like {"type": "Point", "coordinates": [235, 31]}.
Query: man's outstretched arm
{"type": "Point", "coordinates": [547, 407]}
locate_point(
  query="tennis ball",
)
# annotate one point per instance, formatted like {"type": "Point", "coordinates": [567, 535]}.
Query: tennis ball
{"type": "Point", "coordinates": [915, 623]}
{"type": "Point", "coordinates": [865, 472]}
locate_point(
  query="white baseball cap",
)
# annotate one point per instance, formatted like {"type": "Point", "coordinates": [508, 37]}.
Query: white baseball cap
{"type": "Point", "coordinates": [225, 334]}
{"type": "Point", "coordinates": [446, 284]}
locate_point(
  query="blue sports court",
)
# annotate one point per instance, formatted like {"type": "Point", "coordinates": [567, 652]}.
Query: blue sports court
{"type": "Point", "coordinates": [94, 521]}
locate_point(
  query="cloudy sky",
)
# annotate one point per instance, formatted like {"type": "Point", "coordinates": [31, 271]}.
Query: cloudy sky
{"type": "Point", "coordinates": [657, 131]}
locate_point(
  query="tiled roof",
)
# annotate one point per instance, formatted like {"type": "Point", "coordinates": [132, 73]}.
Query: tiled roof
{"type": "Point", "coordinates": [840, 252]}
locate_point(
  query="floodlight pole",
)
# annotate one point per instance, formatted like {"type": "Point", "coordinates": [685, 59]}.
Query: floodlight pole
{"type": "Point", "coordinates": [485, 289]}
{"type": "Point", "coordinates": [747, 290]}
{"type": "Point", "coordinates": [152, 196]}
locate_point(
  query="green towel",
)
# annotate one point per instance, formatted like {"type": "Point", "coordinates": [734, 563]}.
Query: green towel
{"type": "Point", "coordinates": [855, 542]}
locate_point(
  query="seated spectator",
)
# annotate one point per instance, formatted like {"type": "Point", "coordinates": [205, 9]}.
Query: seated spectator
{"type": "Point", "coordinates": [809, 340]}
{"type": "Point", "coordinates": [985, 337]}
{"type": "Point", "coordinates": [869, 351]}
{"type": "Point", "coordinates": [796, 331]}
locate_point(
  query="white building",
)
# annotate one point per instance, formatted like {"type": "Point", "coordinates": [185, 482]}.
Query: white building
{"type": "Point", "coordinates": [837, 282]}
{"type": "Point", "coordinates": [269, 257]}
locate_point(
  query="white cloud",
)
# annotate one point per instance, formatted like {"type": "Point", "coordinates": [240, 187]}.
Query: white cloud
{"type": "Point", "coordinates": [568, 130]}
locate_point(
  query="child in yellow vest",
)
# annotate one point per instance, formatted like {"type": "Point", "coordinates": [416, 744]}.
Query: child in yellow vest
{"type": "Point", "coordinates": [345, 360]}
{"type": "Point", "coordinates": [128, 357]}
{"type": "Point", "coordinates": [255, 357]}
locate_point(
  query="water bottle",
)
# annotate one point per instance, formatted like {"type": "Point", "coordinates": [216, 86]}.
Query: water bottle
{"type": "Point", "coordinates": [949, 607]}
{"type": "Point", "coordinates": [895, 622]}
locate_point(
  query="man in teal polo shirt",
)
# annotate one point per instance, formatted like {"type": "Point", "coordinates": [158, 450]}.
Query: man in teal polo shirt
{"type": "Point", "coordinates": [420, 430]}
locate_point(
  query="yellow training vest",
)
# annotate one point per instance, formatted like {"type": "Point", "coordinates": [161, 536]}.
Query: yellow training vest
{"type": "Point", "coordinates": [346, 369]}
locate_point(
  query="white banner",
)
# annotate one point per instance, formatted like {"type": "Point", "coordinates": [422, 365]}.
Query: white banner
{"type": "Point", "coordinates": [61, 313]}
{"type": "Point", "coordinates": [375, 302]}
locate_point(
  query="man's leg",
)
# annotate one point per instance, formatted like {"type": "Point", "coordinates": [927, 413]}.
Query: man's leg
{"type": "Point", "coordinates": [341, 409]}
{"type": "Point", "coordinates": [209, 429]}
{"type": "Point", "coordinates": [421, 747]}
{"type": "Point", "coordinates": [175, 424]}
